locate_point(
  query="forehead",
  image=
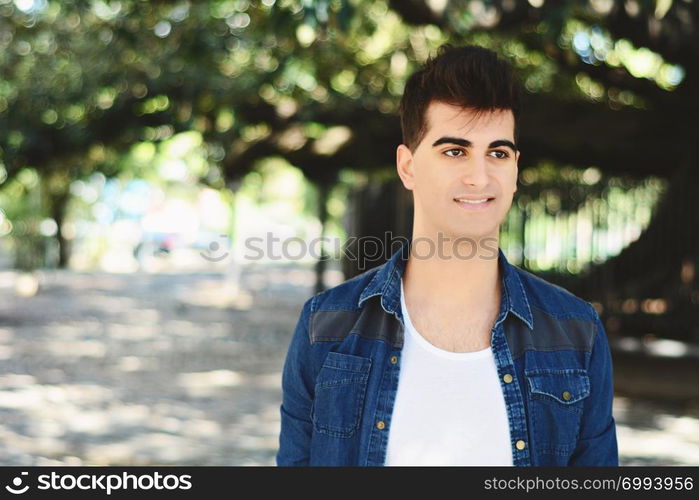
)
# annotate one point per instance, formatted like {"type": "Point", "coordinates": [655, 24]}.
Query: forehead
{"type": "Point", "coordinates": [446, 119]}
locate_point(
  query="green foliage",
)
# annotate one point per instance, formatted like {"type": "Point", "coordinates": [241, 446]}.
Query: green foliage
{"type": "Point", "coordinates": [83, 81]}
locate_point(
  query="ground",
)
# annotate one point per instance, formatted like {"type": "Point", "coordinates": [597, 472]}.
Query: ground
{"type": "Point", "coordinates": [162, 369]}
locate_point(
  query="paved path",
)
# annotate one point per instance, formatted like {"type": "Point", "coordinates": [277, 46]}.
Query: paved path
{"type": "Point", "coordinates": [141, 369]}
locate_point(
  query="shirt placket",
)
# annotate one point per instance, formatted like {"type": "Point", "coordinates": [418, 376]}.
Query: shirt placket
{"type": "Point", "coordinates": [513, 398]}
{"type": "Point", "coordinates": [378, 440]}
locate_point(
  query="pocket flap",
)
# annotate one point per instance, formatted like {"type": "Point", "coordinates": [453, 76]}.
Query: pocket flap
{"type": "Point", "coordinates": [347, 362]}
{"type": "Point", "coordinates": [565, 386]}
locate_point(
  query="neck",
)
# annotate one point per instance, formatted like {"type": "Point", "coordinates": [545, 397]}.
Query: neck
{"type": "Point", "coordinates": [454, 274]}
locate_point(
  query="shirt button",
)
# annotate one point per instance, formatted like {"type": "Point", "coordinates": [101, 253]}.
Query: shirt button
{"type": "Point", "coordinates": [507, 378]}
{"type": "Point", "coordinates": [566, 395]}
{"type": "Point", "coordinates": [520, 444]}
{"type": "Point", "coordinates": [394, 360]}
{"type": "Point", "coordinates": [380, 425]}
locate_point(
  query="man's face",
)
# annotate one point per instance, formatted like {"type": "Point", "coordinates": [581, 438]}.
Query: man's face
{"type": "Point", "coordinates": [461, 159]}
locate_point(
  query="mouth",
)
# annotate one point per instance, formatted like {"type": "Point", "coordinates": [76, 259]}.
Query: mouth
{"type": "Point", "coordinates": [475, 203]}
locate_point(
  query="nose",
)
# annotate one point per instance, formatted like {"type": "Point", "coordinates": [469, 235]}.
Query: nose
{"type": "Point", "coordinates": [475, 173]}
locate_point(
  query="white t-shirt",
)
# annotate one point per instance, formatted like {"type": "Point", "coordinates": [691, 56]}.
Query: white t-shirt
{"type": "Point", "coordinates": [449, 408]}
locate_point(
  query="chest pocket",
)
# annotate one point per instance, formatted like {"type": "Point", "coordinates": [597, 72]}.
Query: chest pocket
{"type": "Point", "coordinates": [556, 399]}
{"type": "Point", "coordinates": [339, 394]}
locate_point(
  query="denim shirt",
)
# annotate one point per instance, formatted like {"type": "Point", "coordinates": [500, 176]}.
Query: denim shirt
{"type": "Point", "coordinates": [340, 376]}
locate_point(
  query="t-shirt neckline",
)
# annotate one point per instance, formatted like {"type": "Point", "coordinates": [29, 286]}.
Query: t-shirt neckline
{"type": "Point", "coordinates": [425, 344]}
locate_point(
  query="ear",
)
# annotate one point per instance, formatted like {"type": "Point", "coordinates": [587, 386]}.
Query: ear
{"type": "Point", "coordinates": [404, 166]}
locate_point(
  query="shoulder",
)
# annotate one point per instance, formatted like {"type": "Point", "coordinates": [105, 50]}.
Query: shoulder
{"type": "Point", "coordinates": [561, 319]}
{"type": "Point", "coordinates": [335, 313]}
{"type": "Point", "coordinates": [554, 300]}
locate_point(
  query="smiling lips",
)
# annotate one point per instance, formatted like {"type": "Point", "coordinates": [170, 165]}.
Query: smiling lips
{"type": "Point", "coordinates": [474, 203]}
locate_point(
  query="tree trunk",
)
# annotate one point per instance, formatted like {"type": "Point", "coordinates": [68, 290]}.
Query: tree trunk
{"type": "Point", "coordinates": [59, 204]}
{"type": "Point", "coordinates": [55, 192]}
{"type": "Point", "coordinates": [323, 193]}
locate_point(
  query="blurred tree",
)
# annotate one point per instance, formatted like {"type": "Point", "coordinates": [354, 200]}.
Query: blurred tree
{"type": "Point", "coordinates": [610, 84]}
{"type": "Point", "coordinates": [84, 80]}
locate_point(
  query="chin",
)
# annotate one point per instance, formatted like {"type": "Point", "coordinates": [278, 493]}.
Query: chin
{"type": "Point", "coordinates": [473, 233]}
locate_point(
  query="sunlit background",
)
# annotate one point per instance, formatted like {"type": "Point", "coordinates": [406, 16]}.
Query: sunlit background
{"type": "Point", "coordinates": [149, 150]}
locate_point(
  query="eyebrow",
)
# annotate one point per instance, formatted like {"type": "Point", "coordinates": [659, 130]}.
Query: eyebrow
{"type": "Point", "coordinates": [466, 143]}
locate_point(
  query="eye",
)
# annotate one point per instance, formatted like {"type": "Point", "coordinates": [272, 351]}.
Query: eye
{"type": "Point", "coordinates": [451, 150]}
{"type": "Point", "coordinates": [505, 154]}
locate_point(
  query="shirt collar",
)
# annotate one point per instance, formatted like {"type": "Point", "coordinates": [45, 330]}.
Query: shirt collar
{"type": "Point", "coordinates": [386, 283]}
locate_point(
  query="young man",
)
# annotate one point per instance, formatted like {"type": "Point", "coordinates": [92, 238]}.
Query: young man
{"type": "Point", "coordinates": [447, 354]}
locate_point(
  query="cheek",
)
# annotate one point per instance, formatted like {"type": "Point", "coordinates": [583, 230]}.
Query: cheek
{"type": "Point", "coordinates": [509, 182]}
{"type": "Point", "coordinates": [429, 186]}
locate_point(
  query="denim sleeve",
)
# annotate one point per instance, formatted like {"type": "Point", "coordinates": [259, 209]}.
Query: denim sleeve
{"type": "Point", "coordinates": [297, 396]}
{"type": "Point", "coordinates": [597, 443]}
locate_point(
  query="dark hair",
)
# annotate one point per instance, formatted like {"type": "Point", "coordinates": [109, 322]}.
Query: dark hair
{"type": "Point", "coordinates": [469, 76]}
